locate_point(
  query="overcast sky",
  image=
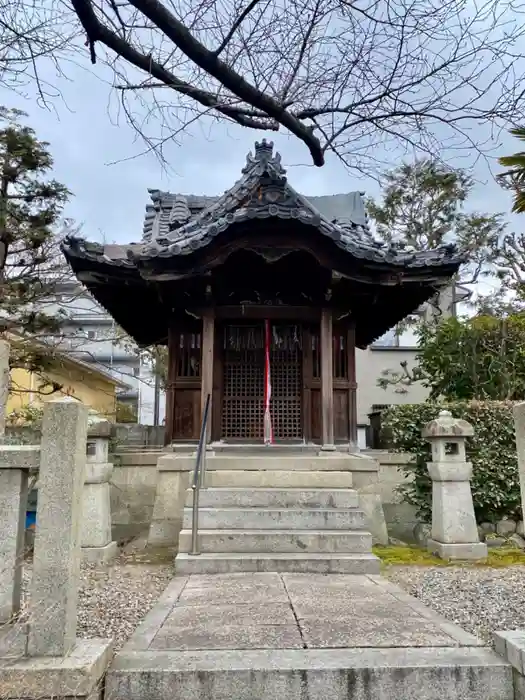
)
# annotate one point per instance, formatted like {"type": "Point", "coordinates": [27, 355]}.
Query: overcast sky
{"type": "Point", "coordinates": [94, 158]}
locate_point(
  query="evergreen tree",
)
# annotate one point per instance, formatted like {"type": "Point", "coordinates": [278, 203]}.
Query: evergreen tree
{"type": "Point", "coordinates": [514, 177]}
{"type": "Point", "coordinates": [422, 207]}
{"type": "Point", "coordinates": [31, 265]}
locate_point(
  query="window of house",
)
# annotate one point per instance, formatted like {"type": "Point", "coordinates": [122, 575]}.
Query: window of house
{"type": "Point", "coordinates": [401, 336]}
{"type": "Point", "coordinates": [91, 335]}
{"type": "Point", "coordinates": [390, 339]}
{"type": "Point", "coordinates": [136, 371]}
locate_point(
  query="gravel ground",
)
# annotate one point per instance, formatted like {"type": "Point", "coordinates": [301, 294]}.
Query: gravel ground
{"type": "Point", "coordinates": [112, 602]}
{"type": "Point", "coordinates": [480, 600]}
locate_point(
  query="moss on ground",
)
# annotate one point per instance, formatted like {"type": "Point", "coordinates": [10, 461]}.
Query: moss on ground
{"type": "Point", "coordinates": [396, 555]}
{"type": "Point", "coordinates": [506, 556]}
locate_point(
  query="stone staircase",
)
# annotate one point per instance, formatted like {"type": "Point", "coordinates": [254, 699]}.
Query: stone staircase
{"type": "Point", "coordinates": [259, 528]}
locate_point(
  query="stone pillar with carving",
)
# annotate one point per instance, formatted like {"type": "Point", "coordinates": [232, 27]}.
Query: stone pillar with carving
{"type": "Point", "coordinates": [454, 530]}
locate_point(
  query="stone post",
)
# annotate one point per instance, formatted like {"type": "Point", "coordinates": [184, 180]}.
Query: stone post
{"type": "Point", "coordinates": [519, 427]}
{"type": "Point", "coordinates": [4, 383]}
{"type": "Point", "coordinates": [97, 545]}
{"type": "Point", "coordinates": [173, 479]}
{"type": "Point", "coordinates": [56, 563]}
{"type": "Point", "coordinates": [454, 529]}
{"type": "Point", "coordinates": [15, 463]}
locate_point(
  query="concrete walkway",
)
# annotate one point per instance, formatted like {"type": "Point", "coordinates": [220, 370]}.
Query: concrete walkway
{"type": "Point", "coordinates": [301, 637]}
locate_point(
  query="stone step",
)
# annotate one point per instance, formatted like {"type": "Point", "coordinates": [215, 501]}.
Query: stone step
{"type": "Point", "coordinates": [274, 497]}
{"type": "Point", "coordinates": [276, 519]}
{"type": "Point", "coordinates": [282, 541]}
{"type": "Point", "coordinates": [425, 673]}
{"type": "Point", "coordinates": [332, 461]}
{"type": "Point", "coordinates": [235, 562]}
{"type": "Point", "coordinates": [267, 450]}
{"type": "Point", "coordinates": [279, 479]}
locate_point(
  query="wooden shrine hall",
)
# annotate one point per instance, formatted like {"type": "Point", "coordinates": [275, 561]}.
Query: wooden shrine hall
{"type": "Point", "coordinates": [261, 298]}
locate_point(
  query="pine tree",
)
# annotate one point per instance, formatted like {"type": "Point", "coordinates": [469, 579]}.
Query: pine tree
{"type": "Point", "coordinates": [31, 265]}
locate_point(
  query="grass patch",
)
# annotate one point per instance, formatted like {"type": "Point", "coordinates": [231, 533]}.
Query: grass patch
{"type": "Point", "coordinates": [395, 555]}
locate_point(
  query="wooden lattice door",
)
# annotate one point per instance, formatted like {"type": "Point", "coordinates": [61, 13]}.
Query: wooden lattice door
{"type": "Point", "coordinates": [243, 387]}
{"type": "Point", "coordinates": [286, 379]}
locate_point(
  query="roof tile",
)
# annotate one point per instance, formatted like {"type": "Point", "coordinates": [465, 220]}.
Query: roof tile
{"type": "Point", "coordinates": [177, 224]}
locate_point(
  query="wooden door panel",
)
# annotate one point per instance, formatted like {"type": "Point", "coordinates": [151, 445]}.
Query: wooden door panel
{"type": "Point", "coordinates": [343, 382]}
{"type": "Point", "coordinates": [340, 415]}
{"type": "Point", "coordinates": [315, 395]}
{"type": "Point", "coordinates": [187, 414]}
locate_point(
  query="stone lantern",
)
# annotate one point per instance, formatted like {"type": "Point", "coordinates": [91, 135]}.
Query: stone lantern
{"type": "Point", "coordinates": [97, 545]}
{"type": "Point", "coordinates": [454, 529]}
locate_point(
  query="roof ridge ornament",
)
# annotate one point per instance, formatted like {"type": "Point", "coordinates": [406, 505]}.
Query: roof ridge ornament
{"type": "Point", "coordinates": [263, 149]}
{"type": "Point", "coordinates": [264, 160]}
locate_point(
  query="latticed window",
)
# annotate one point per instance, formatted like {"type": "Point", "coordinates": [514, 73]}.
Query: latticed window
{"type": "Point", "coordinates": [189, 356]}
{"type": "Point", "coordinates": [340, 356]}
{"type": "Point", "coordinates": [339, 359]}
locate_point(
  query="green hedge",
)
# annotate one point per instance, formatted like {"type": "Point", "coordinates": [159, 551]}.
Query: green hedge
{"type": "Point", "coordinates": [492, 451]}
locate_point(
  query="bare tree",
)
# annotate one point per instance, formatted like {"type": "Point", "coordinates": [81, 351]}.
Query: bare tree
{"type": "Point", "coordinates": [342, 76]}
{"type": "Point", "coordinates": [34, 32]}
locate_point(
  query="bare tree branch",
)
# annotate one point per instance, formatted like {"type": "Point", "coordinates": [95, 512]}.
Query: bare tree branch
{"type": "Point", "coordinates": [236, 26]}
{"type": "Point", "coordinates": [356, 78]}
{"type": "Point", "coordinates": [97, 32]}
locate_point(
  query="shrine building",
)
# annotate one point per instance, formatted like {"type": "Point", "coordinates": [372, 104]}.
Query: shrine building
{"type": "Point", "coordinates": [261, 299]}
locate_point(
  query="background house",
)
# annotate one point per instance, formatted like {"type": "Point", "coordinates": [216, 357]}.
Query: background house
{"type": "Point", "coordinates": [387, 353]}
{"type": "Point", "coordinates": [86, 382]}
{"type": "Point", "coordinates": [90, 334]}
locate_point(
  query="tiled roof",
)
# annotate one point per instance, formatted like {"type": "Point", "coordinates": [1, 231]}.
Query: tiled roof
{"type": "Point", "coordinates": [168, 209]}
{"type": "Point", "coordinates": [178, 224]}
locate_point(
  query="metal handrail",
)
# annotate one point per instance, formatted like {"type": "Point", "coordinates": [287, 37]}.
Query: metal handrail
{"type": "Point", "coordinates": [198, 478]}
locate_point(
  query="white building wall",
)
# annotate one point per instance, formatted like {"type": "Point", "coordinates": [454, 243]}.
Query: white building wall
{"type": "Point", "coordinates": [147, 399]}
{"type": "Point", "coordinates": [370, 364]}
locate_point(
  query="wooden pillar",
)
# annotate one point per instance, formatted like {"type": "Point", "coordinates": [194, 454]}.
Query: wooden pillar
{"type": "Point", "coordinates": [327, 384]}
{"type": "Point", "coordinates": [352, 393]}
{"type": "Point", "coordinates": [208, 340]}
{"type": "Point", "coordinates": [173, 358]}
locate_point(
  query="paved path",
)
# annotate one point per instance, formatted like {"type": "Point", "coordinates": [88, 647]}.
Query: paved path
{"type": "Point", "coordinates": [270, 636]}
{"type": "Point", "coordinates": [297, 611]}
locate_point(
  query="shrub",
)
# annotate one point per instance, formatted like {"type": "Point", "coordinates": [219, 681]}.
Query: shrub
{"type": "Point", "coordinates": [492, 451]}
{"type": "Point", "coordinates": [126, 413]}
{"type": "Point", "coordinates": [25, 416]}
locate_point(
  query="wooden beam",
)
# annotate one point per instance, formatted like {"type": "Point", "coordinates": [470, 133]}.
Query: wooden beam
{"type": "Point", "coordinates": [208, 341]}
{"type": "Point", "coordinates": [352, 392]}
{"type": "Point", "coordinates": [327, 382]}
{"type": "Point", "coordinates": [173, 359]}
{"type": "Point", "coordinates": [248, 311]}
